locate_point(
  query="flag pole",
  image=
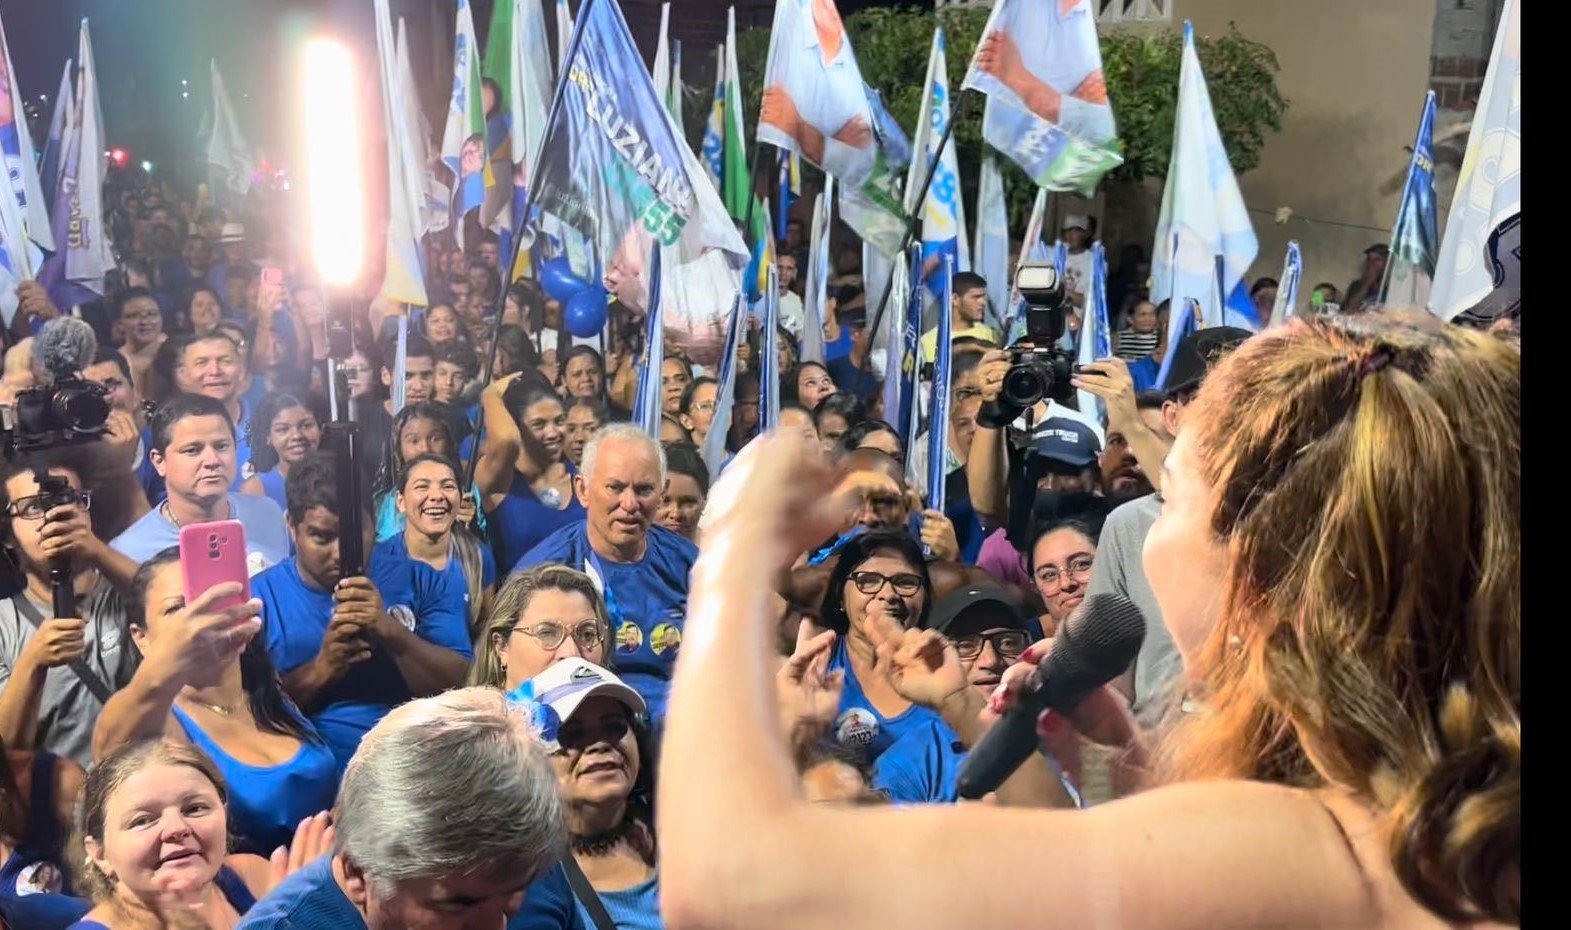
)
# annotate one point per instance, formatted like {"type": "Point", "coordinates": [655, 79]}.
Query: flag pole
{"type": "Point", "coordinates": [910, 233]}
{"type": "Point", "coordinates": [525, 229]}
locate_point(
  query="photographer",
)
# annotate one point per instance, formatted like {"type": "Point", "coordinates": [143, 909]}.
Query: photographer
{"type": "Point", "coordinates": [57, 673]}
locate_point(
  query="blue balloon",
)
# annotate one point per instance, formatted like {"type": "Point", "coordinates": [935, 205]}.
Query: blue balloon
{"type": "Point", "coordinates": [558, 281]}
{"type": "Point", "coordinates": [584, 313]}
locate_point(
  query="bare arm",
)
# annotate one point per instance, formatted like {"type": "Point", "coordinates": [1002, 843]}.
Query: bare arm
{"type": "Point", "coordinates": [427, 668]}
{"type": "Point", "coordinates": [1234, 854]}
{"type": "Point", "coordinates": [499, 451]}
{"type": "Point", "coordinates": [987, 476]}
{"type": "Point", "coordinates": [140, 710]}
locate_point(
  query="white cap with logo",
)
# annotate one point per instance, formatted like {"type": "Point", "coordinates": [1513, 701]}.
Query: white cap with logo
{"type": "Point", "coordinates": [568, 683]}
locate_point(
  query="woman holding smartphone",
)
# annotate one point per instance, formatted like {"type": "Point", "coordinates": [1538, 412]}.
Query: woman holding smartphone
{"type": "Point", "coordinates": [206, 680]}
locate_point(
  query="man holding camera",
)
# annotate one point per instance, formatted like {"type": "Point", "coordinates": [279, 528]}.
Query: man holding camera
{"type": "Point", "coordinates": [57, 672]}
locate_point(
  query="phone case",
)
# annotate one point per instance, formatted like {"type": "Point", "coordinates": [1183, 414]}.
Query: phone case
{"type": "Point", "coordinates": [212, 553]}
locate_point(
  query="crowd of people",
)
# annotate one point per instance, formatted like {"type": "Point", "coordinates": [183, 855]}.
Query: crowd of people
{"type": "Point", "coordinates": [562, 622]}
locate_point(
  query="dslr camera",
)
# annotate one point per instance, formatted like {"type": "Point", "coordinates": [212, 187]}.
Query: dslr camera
{"type": "Point", "coordinates": [1038, 366]}
{"type": "Point", "coordinates": [65, 412]}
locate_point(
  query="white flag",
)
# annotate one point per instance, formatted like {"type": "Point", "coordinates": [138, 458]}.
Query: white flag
{"type": "Point", "coordinates": [228, 155]}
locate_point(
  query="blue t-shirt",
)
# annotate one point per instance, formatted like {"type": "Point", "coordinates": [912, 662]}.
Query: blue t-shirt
{"type": "Point", "coordinates": [522, 521]}
{"type": "Point", "coordinates": [273, 488]}
{"type": "Point", "coordinates": [295, 618]}
{"type": "Point", "coordinates": [146, 475]}
{"type": "Point", "coordinates": [266, 539]}
{"type": "Point", "coordinates": [635, 908]}
{"type": "Point", "coordinates": [310, 900]}
{"type": "Point", "coordinates": [647, 601]}
{"type": "Point", "coordinates": [921, 767]}
{"type": "Point", "coordinates": [398, 547]}
{"type": "Point", "coordinates": [860, 727]}
{"type": "Point", "coordinates": [850, 378]}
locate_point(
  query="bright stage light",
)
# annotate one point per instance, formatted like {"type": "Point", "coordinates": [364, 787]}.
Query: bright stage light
{"type": "Point", "coordinates": [332, 133]}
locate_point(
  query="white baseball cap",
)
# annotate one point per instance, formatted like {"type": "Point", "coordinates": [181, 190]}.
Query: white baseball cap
{"type": "Point", "coordinates": [1076, 221]}
{"type": "Point", "coordinates": [568, 683]}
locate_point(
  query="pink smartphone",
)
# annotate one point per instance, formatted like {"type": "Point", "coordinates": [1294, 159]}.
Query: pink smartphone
{"type": "Point", "coordinates": [212, 553]}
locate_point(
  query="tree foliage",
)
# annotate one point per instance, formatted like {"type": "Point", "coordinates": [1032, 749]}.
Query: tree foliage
{"type": "Point", "coordinates": [1141, 67]}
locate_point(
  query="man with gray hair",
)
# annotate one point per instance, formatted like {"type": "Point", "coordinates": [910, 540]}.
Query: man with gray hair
{"type": "Point", "coordinates": [448, 818]}
{"type": "Point", "coordinates": [640, 568]}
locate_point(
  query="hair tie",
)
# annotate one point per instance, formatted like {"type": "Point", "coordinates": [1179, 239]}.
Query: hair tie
{"type": "Point", "coordinates": [1374, 360]}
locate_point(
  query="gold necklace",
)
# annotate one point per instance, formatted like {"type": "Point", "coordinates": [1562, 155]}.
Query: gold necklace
{"type": "Point", "coordinates": [219, 709]}
{"type": "Point", "coordinates": [169, 513]}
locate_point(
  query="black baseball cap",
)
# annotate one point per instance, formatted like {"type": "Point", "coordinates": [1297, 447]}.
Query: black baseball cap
{"type": "Point", "coordinates": [1379, 248]}
{"type": "Point", "coordinates": [1198, 351]}
{"type": "Point", "coordinates": [983, 602]}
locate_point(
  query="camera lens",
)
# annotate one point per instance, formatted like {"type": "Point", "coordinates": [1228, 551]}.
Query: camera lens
{"type": "Point", "coordinates": [1025, 383]}
{"type": "Point", "coordinates": [80, 408]}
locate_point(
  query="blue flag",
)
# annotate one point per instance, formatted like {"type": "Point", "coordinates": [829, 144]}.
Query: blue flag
{"type": "Point", "coordinates": [896, 146]}
{"type": "Point", "coordinates": [647, 405]}
{"type": "Point", "coordinates": [1415, 239]}
{"type": "Point", "coordinates": [1096, 332]}
{"type": "Point", "coordinates": [1185, 320]}
{"type": "Point", "coordinates": [938, 420]}
{"type": "Point", "coordinates": [1287, 287]}
{"type": "Point", "coordinates": [906, 409]}
{"type": "Point", "coordinates": [714, 450]}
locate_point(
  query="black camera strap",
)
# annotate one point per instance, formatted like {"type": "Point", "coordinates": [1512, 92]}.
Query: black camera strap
{"type": "Point", "coordinates": [89, 678]}
{"type": "Point", "coordinates": [586, 894]}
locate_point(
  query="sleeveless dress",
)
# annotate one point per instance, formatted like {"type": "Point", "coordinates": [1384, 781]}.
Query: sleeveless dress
{"type": "Point", "coordinates": [35, 888]}
{"type": "Point", "coordinates": [273, 487]}
{"type": "Point", "coordinates": [521, 521]}
{"type": "Point", "coordinates": [266, 803]}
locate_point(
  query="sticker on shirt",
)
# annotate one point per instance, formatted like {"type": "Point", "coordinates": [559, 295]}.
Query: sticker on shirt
{"type": "Point", "coordinates": [247, 471]}
{"type": "Point", "coordinates": [628, 638]}
{"type": "Point", "coordinates": [857, 728]}
{"type": "Point", "coordinates": [256, 563]}
{"type": "Point", "coordinates": [39, 878]}
{"type": "Point", "coordinates": [665, 639]}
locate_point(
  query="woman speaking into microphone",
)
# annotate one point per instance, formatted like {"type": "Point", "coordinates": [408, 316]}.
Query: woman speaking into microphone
{"type": "Point", "coordinates": [1338, 560]}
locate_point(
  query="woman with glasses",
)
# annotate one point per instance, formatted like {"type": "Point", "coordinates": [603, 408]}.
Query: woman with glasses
{"type": "Point", "coordinates": [541, 616]}
{"type": "Point", "coordinates": [1060, 566]}
{"type": "Point", "coordinates": [697, 409]}
{"type": "Point", "coordinates": [57, 672]}
{"type": "Point", "coordinates": [879, 588]}
{"type": "Point", "coordinates": [604, 759]}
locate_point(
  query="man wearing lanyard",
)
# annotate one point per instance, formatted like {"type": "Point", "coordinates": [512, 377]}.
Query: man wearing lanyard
{"type": "Point", "coordinates": [640, 568]}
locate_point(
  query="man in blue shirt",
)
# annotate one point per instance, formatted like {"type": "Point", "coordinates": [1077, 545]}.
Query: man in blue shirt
{"type": "Point", "coordinates": [351, 649]}
{"type": "Point", "coordinates": [641, 569]}
{"type": "Point", "coordinates": [192, 447]}
{"type": "Point", "coordinates": [448, 818]}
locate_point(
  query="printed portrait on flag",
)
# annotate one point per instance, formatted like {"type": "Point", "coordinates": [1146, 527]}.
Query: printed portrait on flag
{"type": "Point", "coordinates": [814, 101]}
{"type": "Point", "coordinates": [1039, 59]}
{"type": "Point", "coordinates": [696, 295]}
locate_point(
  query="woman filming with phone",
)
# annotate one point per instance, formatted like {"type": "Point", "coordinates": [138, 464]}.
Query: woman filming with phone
{"type": "Point", "coordinates": [206, 680]}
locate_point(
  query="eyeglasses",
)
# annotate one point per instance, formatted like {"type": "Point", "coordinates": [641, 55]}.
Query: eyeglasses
{"type": "Point", "coordinates": [1007, 643]}
{"type": "Point", "coordinates": [586, 634]}
{"type": "Point", "coordinates": [707, 406]}
{"type": "Point", "coordinates": [1049, 578]}
{"type": "Point", "coordinates": [905, 583]}
{"type": "Point", "coordinates": [571, 738]}
{"type": "Point", "coordinates": [34, 508]}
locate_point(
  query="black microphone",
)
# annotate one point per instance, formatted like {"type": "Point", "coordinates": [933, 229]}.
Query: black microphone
{"type": "Point", "coordinates": [1095, 645]}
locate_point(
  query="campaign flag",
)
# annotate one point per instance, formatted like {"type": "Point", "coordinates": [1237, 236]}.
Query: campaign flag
{"type": "Point", "coordinates": [74, 274]}
{"type": "Point", "coordinates": [901, 407]}
{"type": "Point", "coordinates": [229, 158]}
{"type": "Point", "coordinates": [1096, 331]}
{"type": "Point", "coordinates": [614, 167]}
{"type": "Point", "coordinates": [769, 364]}
{"type": "Point", "coordinates": [435, 201]}
{"type": "Point", "coordinates": [674, 92]}
{"type": "Point", "coordinates": [1203, 214]}
{"type": "Point", "coordinates": [400, 365]}
{"type": "Point", "coordinates": [814, 100]}
{"type": "Point", "coordinates": [464, 140]}
{"type": "Point", "coordinates": [714, 450]}
{"type": "Point", "coordinates": [992, 240]}
{"type": "Point", "coordinates": [1031, 248]}
{"type": "Point", "coordinates": [942, 210]}
{"type": "Point", "coordinates": [523, 72]}
{"type": "Point", "coordinates": [648, 404]}
{"type": "Point", "coordinates": [1415, 239]}
{"type": "Point", "coordinates": [1478, 274]}
{"type": "Point", "coordinates": [815, 285]}
{"type": "Point", "coordinates": [938, 421]}
{"type": "Point", "coordinates": [713, 145]}
{"type": "Point", "coordinates": [21, 161]}
{"type": "Point", "coordinates": [736, 180]}
{"type": "Point", "coordinates": [891, 138]}
{"type": "Point", "coordinates": [1040, 64]}
{"type": "Point", "coordinates": [404, 279]}
{"type": "Point", "coordinates": [660, 70]}
{"type": "Point", "coordinates": [564, 33]}
{"type": "Point", "coordinates": [1286, 306]}
{"type": "Point", "coordinates": [49, 168]}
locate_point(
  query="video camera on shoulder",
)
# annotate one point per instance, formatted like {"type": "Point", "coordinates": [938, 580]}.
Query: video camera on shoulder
{"type": "Point", "coordinates": [68, 410]}
{"type": "Point", "coordinates": [1039, 367]}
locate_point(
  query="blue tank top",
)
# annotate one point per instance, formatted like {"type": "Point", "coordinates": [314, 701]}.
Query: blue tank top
{"type": "Point", "coordinates": [860, 727]}
{"type": "Point", "coordinates": [521, 520]}
{"type": "Point", "coordinates": [35, 890]}
{"type": "Point", "coordinates": [266, 803]}
{"type": "Point", "coordinates": [230, 885]}
{"type": "Point", "coordinates": [273, 487]}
